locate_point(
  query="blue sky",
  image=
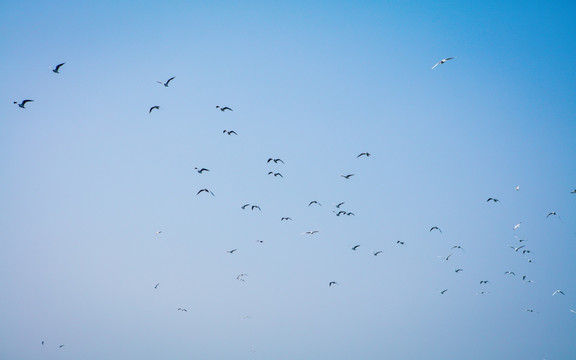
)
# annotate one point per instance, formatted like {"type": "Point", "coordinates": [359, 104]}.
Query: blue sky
{"type": "Point", "coordinates": [89, 177]}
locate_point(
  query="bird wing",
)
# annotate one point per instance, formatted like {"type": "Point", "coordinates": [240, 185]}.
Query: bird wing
{"type": "Point", "coordinates": [172, 78]}
{"type": "Point", "coordinates": [58, 66]}
{"type": "Point", "coordinates": [438, 63]}
{"type": "Point", "coordinates": [26, 101]}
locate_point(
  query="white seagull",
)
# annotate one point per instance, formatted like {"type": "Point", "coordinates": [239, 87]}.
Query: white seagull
{"type": "Point", "coordinates": [442, 62]}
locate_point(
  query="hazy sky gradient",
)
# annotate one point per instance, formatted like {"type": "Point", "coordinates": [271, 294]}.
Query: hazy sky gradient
{"type": "Point", "coordinates": [89, 177]}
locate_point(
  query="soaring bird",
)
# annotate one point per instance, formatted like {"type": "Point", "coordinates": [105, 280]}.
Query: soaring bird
{"type": "Point", "coordinates": [377, 252]}
{"type": "Point", "coordinates": [200, 171]}
{"type": "Point", "coordinates": [492, 199]}
{"type": "Point", "coordinates": [231, 251]}
{"type": "Point", "coordinates": [457, 247]}
{"type": "Point", "coordinates": [347, 176]}
{"type": "Point", "coordinates": [245, 206]}
{"type": "Point", "coordinates": [275, 160]}
{"type": "Point", "coordinates": [61, 346]}
{"type": "Point", "coordinates": [442, 62]}
{"type": "Point", "coordinates": [285, 218]}
{"type": "Point", "coordinates": [332, 283]}
{"type": "Point", "coordinates": [158, 232]}
{"type": "Point", "coordinates": [260, 241]}
{"type": "Point", "coordinates": [255, 207]}
{"type": "Point", "coordinates": [517, 225]}
{"type": "Point", "coordinates": [558, 292]}
{"type": "Point", "coordinates": [57, 68]}
{"type": "Point", "coordinates": [341, 212]}
{"type": "Point", "coordinates": [355, 247]}
{"type": "Point", "coordinates": [484, 282]}
{"type": "Point", "coordinates": [509, 273]}
{"type": "Point", "coordinates": [517, 188]}
{"type": "Point", "coordinates": [458, 270]}
{"type": "Point", "coordinates": [400, 242]}
{"type": "Point", "coordinates": [275, 174]}
{"type": "Point", "coordinates": [364, 154]}
{"type": "Point", "coordinates": [436, 228]}
{"type": "Point", "coordinates": [340, 204]}
{"type": "Point", "coordinates": [181, 309]}
{"type": "Point", "coordinates": [447, 257]}
{"type": "Point", "coordinates": [517, 248]}
{"type": "Point", "coordinates": [154, 107]}
{"type": "Point", "coordinates": [223, 108]}
{"type": "Point", "coordinates": [314, 202]}
{"type": "Point", "coordinates": [311, 232]}
{"type": "Point", "coordinates": [205, 190]}
{"type": "Point", "coordinates": [573, 191]}
{"type": "Point", "coordinates": [23, 103]}
{"type": "Point", "coordinates": [42, 342]}
{"type": "Point", "coordinates": [443, 291]}
{"type": "Point", "coordinates": [551, 213]}
{"type": "Point", "coordinates": [167, 81]}
{"type": "Point", "coordinates": [229, 132]}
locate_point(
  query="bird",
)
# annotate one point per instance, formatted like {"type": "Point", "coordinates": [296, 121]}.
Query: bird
{"type": "Point", "coordinates": [23, 103]}
{"type": "Point", "coordinates": [517, 188]}
{"type": "Point", "coordinates": [517, 225]}
{"type": "Point", "coordinates": [436, 228]}
{"type": "Point", "coordinates": [350, 213]}
{"type": "Point", "coordinates": [447, 257]}
{"type": "Point", "coordinates": [364, 154]}
{"type": "Point", "coordinates": [158, 232]}
{"type": "Point", "coordinates": [239, 277]}
{"type": "Point", "coordinates": [573, 311]}
{"type": "Point", "coordinates": [341, 212]}
{"type": "Point", "coordinates": [245, 206]}
{"type": "Point", "coordinates": [332, 283]}
{"type": "Point", "coordinates": [181, 309]}
{"type": "Point", "coordinates": [275, 160]}
{"type": "Point", "coordinates": [400, 242]}
{"type": "Point", "coordinates": [200, 171]}
{"type": "Point", "coordinates": [167, 81]}
{"type": "Point", "coordinates": [573, 191]}
{"type": "Point", "coordinates": [205, 190]}
{"type": "Point", "coordinates": [154, 107]}
{"type": "Point", "coordinates": [492, 199]}
{"type": "Point", "coordinates": [509, 273]}
{"type": "Point", "coordinates": [255, 207]}
{"type": "Point", "coordinates": [558, 292]}
{"type": "Point", "coordinates": [340, 204]}
{"type": "Point", "coordinates": [42, 342]}
{"type": "Point", "coordinates": [231, 251]}
{"type": "Point", "coordinates": [57, 68]}
{"type": "Point", "coordinates": [517, 248]}
{"type": "Point", "coordinates": [275, 174]}
{"type": "Point", "coordinates": [526, 252]}
{"type": "Point", "coordinates": [223, 108]}
{"type": "Point", "coordinates": [458, 270]}
{"type": "Point", "coordinates": [484, 282]}
{"type": "Point", "coordinates": [314, 202]}
{"type": "Point", "coordinates": [355, 247]}
{"type": "Point", "coordinates": [61, 346]}
{"type": "Point", "coordinates": [443, 291]}
{"type": "Point", "coordinates": [441, 62]}
{"type": "Point", "coordinates": [229, 132]}
{"type": "Point", "coordinates": [260, 241]}
{"type": "Point", "coordinates": [377, 252]}
{"type": "Point", "coordinates": [530, 310]}
{"type": "Point", "coordinates": [457, 247]}
{"type": "Point", "coordinates": [347, 176]}
{"type": "Point", "coordinates": [156, 286]}
{"type": "Point", "coordinates": [285, 218]}
{"type": "Point", "coordinates": [481, 293]}
{"type": "Point", "coordinates": [551, 213]}
{"type": "Point", "coordinates": [311, 232]}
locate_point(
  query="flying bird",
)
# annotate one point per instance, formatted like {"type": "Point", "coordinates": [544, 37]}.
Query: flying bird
{"type": "Point", "coordinates": [332, 283]}
{"type": "Point", "coordinates": [314, 202]}
{"type": "Point", "coordinates": [363, 154]}
{"type": "Point", "coordinates": [223, 108]}
{"type": "Point", "coordinates": [260, 241]}
{"type": "Point", "coordinates": [57, 68]}
{"type": "Point", "coordinates": [443, 291]}
{"type": "Point", "coordinates": [154, 108]}
{"type": "Point", "coordinates": [517, 225]}
{"type": "Point", "coordinates": [231, 251]}
{"type": "Point", "coordinates": [517, 188]}
{"type": "Point", "coordinates": [158, 232]}
{"type": "Point", "coordinates": [229, 132]}
{"type": "Point", "coordinates": [23, 103]}
{"type": "Point", "coordinates": [275, 160]}
{"type": "Point", "coordinates": [377, 252]}
{"type": "Point", "coordinates": [572, 311]}
{"type": "Point", "coordinates": [255, 207]}
{"type": "Point", "coordinates": [573, 191]}
{"type": "Point", "coordinates": [275, 174]}
{"type": "Point", "coordinates": [355, 247]}
{"type": "Point", "coordinates": [492, 199]}
{"type": "Point", "coordinates": [340, 204]}
{"type": "Point", "coordinates": [457, 247]}
{"type": "Point", "coordinates": [205, 190]}
{"type": "Point", "coordinates": [442, 62]}
{"type": "Point", "coordinates": [509, 273]}
{"type": "Point", "coordinates": [167, 81]}
{"type": "Point", "coordinates": [400, 242]}
{"type": "Point", "coordinates": [61, 346]}
{"type": "Point", "coordinates": [200, 171]}
{"type": "Point", "coordinates": [530, 310]}
{"type": "Point", "coordinates": [239, 277]}
{"type": "Point", "coordinates": [558, 292]}
{"type": "Point", "coordinates": [42, 342]}
{"type": "Point", "coordinates": [551, 213]}
{"type": "Point", "coordinates": [484, 282]}
{"type": "Point", "coordinates": [341, 212]}
{"type": "Point", "coordinates": [517, 248]}
{"type": "Point", "coordinates": [245, 206]}
{"type": "Point", "coordinates": [311, 232]}
{"type": "Point", "coordinates": [156, 286]}
{"type": "Point", "coordinates": [285, 218]}
{"type": "Point", "coordinates": [181, 309]}
{"type": "Point", "coordinates": [447, 257]}
{"type": "Point", "coordinates": [435, 228]}
{"type": "Point", "coordinates": [458, 270]}
{"type": "Point", "coordinates": [347, 176]}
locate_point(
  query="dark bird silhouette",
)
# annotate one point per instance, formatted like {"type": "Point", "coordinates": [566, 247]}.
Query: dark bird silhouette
{"type": "Point", "coordinates": [484, 282]}
{"type": "Point", "coordinates": [314, 202]}
{"type": "Point", "coordinates": [61, 346]}
{"type": "Point", "coordinates": [509, 273]}
{"type": "Point", "coordinates": [341, 212]}
{"type": "Point", "coordinates": [167, 81]}
{"type": "Point", "coordinates": [530, 310]}
{"type": "Point", "coordinates": [400, 242]}
{"type": "Point", "coordinates": [42, 342]}
{"type": "Point", "coordinates": [231, 251]}
{"type": "Point", "coordinates": [239, 277]}
{"type": "Point", "coordinates": [205, 190]}
{"type": "Point", "coordinates": [355, 247]}
{"type": "Point", "coordinates": [340, 204]}
{"type": "Point", "coordinates": [443, 291]}
{"type": "Point", "coordinates": [260, 241]}
{"type": "Point", "coordinates": [551, 213]}
{"type": "Point", "coordinates": [332, 283]}
{"type": "Point", "coordinates": [347, 176]}
{"type": "Point", "coordinates": [442, 62]}
{"type": "Point", "coordinates": [492, 199]}
{"type": "Point", "coordinates": [229, 132]}
{"type": "Point", "coordinates": [447, 257]}
{"type": "Point", "coordinates": [200, 171]}
{"type": "Point", "coordinates": [181, 309]}
{"type": "Point", "coordinates": [275, 160]}
{"type": "Point", "coordinates": [275, 174]}
{"type": "Point", "coordinates": [245, 206]}
{"type": "Point", "coordinates": [573, 191]}
{"type": "Point", "coordinates": [286, 218]}
{"type": "Point", "coordinates": [364, 154]}
{"type": "Point", "coordinates": [436, 228]}
{"type": "Point", "coordinates": [57, 68]}
{"type": "Point", "coordinates": [256, 207]}
{"type": "Point", "coordinates": [457, 247]}
{"type": "Point", "coordinates": [350, 214]}
{"type": "Point", "coordinates": [377, 252]}
{"type": "Point", "coordinates": [311, 232]}
{"type": "Point", "coordinates": [223, 108]}
{"type": "Point", "coordinates": [23, 103]}
{"type": "Point", "coordinates": [154, 107]}
{"type": "Point", "coordinates": [458, 270]}
{"type": "Point", "coordinates": [156, 286]}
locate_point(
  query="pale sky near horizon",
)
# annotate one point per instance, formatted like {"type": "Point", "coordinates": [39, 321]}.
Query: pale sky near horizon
{"type": "Point", "coordinates": [89, 176]}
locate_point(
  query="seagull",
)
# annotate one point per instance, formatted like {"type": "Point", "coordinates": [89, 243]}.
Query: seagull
{"type": "Point", "coordinates": [275, 160]}
{"type": "Point", "coordinates": [517, 225]}
{"type": "Point", "coordinates": [572, 311]}
{"type": "Point", "coordinates": [377, 252]}
{"type": "Point", "coordinates": [558, 292]}
{"type": "Point", "coordinates": [205, 190]}
{"type": "Point", "coordinates": [457, 247]}
{"type": "Point", "coordinates": [231, 251]}
{"type": "Point", "coordinates": [443, 291]}
{"type": "Point", "coordinates": [181, 309]}
{"type": "Point", "coordinates": [229, 132]}
{"type": "Point", "coordinates": [341, 212]}
{"type": "Point", "coordinates": [350, 213]}
{"type": "Point", "coordinates": [551, 213]}
{"type": "Point", "coordinates": [364, 154]}
{"type": "Point", "coordinates": [484, 282]}
{"type": "Point", "coordinates": [447, 257]}
{"type": "Point", "coordinates": [517, 188]}
{"type": "Point", "coordinates": [255, 207]}
{"type": "Point", "coordinates": [340, 204]}
{"type": "Point", "coordinates": [311, 232]}
{"type": "Point", "coordinates": [436, 228]}
{"type": "Point", "coordinates": [332, 283]}
{"type": "Point", "coordinates": [166, 83]}
{"type": "Point", "coordinates": [347, 176]}
{"type": "Point", "coordinates": [355, 247]}
{"type": "Point", "coordinates": [492, 199]}
{"type": "Point", "coordinates": [275, 174]}
{"type": "Point", "coordinates": [400, 242]}
{"type": "Point", "coordinates": [201, 170]}
{"type": "Point", "coordinates": [154, 107]}
{"type": "Point", "coordinates": [57, 68]}
{"type": "Point", "coordinates": [517, 248]}
{"type": "Point", "coordinates": [285, 218]}
{"type": "Point", "coordinates": [245, 206]}
{"type": "Point", "coordinates": [509, 273]}
{"type": "Point", "coordinates": [314, 202]}
{"type": "Point", "coordinates": [441, 62]}
{"type": "Point", "coordinates": [223, 108]}
{"type": "Point", "coordinates": [458, 270]}
{"type": "Point", "coordinates": [23, 103]}
{"type": "Point", "coordinates": [158, 232]}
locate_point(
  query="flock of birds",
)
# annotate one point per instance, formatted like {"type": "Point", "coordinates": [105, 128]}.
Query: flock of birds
{"type": "Point", "coordinates": [338, 211]}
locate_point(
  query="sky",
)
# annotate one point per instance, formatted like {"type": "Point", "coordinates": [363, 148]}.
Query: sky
{"type": "Point", "coordinates": [100, 196]}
